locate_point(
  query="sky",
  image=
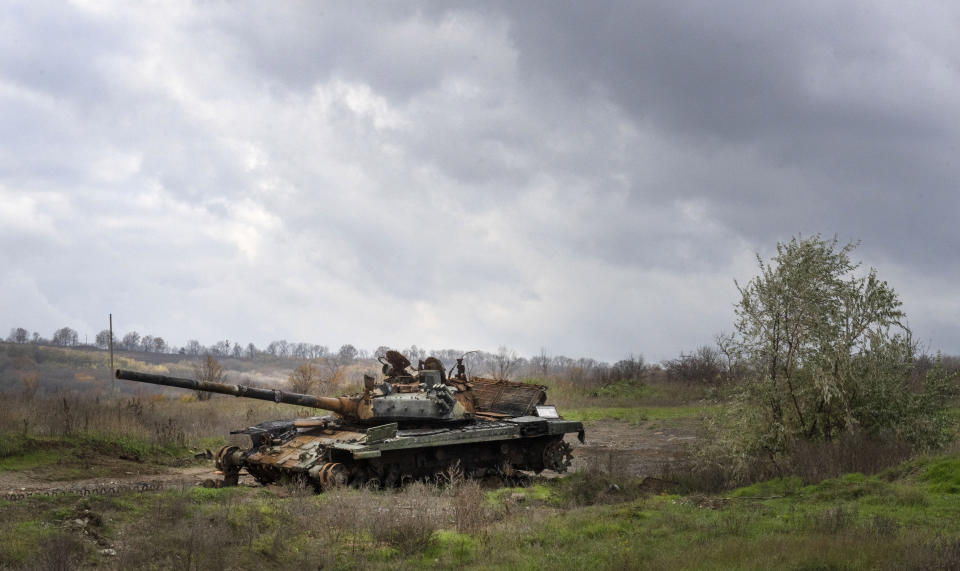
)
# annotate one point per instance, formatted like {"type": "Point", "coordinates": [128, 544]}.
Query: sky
{"type": "Point", "coordinates": [586, 178]}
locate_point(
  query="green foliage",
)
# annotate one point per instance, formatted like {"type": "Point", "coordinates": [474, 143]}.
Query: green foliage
{"type": "Point", "coordinates": [629, 389]}
{"type": "Point", "coordinates": [13, 444]}
{"type": "Point", "coordinates": [827, 355]}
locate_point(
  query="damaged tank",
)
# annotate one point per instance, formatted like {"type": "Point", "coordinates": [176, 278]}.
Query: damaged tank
{"type": "Point", "coordinates": [409, 425]}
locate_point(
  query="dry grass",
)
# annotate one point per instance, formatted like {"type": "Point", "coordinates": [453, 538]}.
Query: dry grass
{"type": "Point", "coordinates": [155, 419]}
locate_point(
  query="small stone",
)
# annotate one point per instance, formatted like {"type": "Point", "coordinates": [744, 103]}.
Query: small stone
{"type": "Point", "coordinates": [109, 552]}
{"type": "Point", "coordinates": [518, 498]}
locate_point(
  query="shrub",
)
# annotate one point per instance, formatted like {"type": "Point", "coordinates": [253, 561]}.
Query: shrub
{"type": "Point", "coordinates": [827, 355]}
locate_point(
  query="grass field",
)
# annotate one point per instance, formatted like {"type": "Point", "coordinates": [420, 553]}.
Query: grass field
{"type": "Point", "coordinates": [604, 516]}
{"type": "Point", "coordinates": [634, 415]}
{"type": "Point", "coordinates": [904, 518]}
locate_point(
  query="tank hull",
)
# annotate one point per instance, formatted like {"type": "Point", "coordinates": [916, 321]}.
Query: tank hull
{"type": "Point", "coordinates": [327, 452]}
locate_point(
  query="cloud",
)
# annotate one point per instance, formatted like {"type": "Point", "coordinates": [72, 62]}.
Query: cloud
{"type": "Point", "coordinates": [586, 178]}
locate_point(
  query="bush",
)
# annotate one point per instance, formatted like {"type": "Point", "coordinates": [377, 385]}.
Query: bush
{"type": "Point", "coordinates": [827, 355]}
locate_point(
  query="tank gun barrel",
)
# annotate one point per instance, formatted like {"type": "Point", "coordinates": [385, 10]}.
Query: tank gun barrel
{"type": "Point", "coordinates": [338, 405]}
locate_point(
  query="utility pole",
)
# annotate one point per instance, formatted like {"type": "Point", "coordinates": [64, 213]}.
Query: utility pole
{"type": "Point", "coordinates": [111, 356]}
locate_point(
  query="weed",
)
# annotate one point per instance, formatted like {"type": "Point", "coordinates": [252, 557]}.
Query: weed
{"type": "Point", "coordinates": [408, 524]}
{"type": "Point", "coordinates": [883, 528]}
{"type": "Point", "coordinates": [470, 509]}
{"type": "Point", "coordinates": [939, 554]}
{"type": "Point", "coordinates": [61, 552]}
{"type": "Point", "coordinates": [834, 520]}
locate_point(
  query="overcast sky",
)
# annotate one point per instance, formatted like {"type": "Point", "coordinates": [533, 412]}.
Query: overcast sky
{"type": "Point", "coordinates": [587, 177]}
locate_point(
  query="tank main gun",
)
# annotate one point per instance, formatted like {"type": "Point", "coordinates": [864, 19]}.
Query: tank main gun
{"type": "Point", "coordinates": [430, 402]}
{"type": "Point", "coordinates": [342, 405]}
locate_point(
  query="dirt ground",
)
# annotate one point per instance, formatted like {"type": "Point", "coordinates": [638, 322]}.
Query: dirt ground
{"type": "Point", "coordinates": [646, 449]}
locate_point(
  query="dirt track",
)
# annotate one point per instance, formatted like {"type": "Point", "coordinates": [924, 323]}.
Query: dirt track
{"type": "Point", "coordinates": [638, 450]}
{"type": "Point", "coordinates": [16, 485]}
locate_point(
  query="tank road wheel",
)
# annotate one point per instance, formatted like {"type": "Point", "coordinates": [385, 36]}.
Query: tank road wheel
{"type": "Point", "coordinates": [330, 475]}
{"type": "Point", "coordinates": [557, 456]}
{"type": "Point", "coordinates": [229, 461]}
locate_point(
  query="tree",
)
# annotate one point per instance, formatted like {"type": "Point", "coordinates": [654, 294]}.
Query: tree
{"type": "Point", "coordinates": [303, 378]}
{"type": "Point", "coordinates": [65, 337]}
{"type": "Point", "coordinates": [504, 362]}
{"type": "Point", "coordinates": [18, 335]}
{"type": "Point", "coordinates": [147, 343]}
{"type": "Point", "coordinates": [159, 345]}
{"type": "Point", "coordinates": [542, 362]}
{"type": "Point", "coordinates": [193, 347]}
{"type": "Point", "coordinates": [272, 348]}
{"type": "Point", "coordinates": [221, 348]}
{"type": "Point", "coordinates": [209, 371]}
{"type": "Point", "coordinates": [703, 366]}
{"type": "Point", "coordinates": [414, 353]}
{"type": "Point", "coordinates": [103, 339]}
{"type": "Point", "coordinates": [346, 355]}
{"type": "Point", "coordinates": [827, 352]}
{"type": "Point", "coordinates": [131, 341]}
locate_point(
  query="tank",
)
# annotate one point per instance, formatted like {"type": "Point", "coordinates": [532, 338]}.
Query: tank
{"type": "Point", "coordinates": [408, 425]}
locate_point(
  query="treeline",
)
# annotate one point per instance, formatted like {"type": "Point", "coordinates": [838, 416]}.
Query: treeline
{"type": "Point", "coordinates": [504, 363]}
{"type": "Point", "coordinates": [710, 365]}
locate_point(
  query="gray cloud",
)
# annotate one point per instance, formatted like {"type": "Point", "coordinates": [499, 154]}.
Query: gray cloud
{"type": "Point", "coordinates": [587, 178]}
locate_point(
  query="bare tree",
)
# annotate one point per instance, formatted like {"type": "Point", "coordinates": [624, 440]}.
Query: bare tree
{"type": "Point", "coordinates": [304, 378]}
{"type": "Point", "coordinates": [705, 365]}
{"type": "Point", "coordinates": [18, 335]}
{"type": "Point", "coordinates": [347, 354]}
{"type": "Point", "coordinates": [504, 362]}
{"type": "Point", "coordinates": [542, 362]}
{"type": "Point", "coordinates": [65, 337]}
{"type": "Point", "coordinates": [209, 371]}
{"type": "Point", "coordinates": [131, 341]}
{"type": "Point", "coordinates": [221, 348]}
{"type": "Point", "coordinates": [414, 353]}
{"type": "Point", "coordinates": [103, 339]}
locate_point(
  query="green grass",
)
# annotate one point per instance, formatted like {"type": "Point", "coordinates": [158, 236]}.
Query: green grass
{"type": "Point", "coordinates": [907, 520]}
{"type": "Point", "coordinates": [943, 476]}
{"type": "Point", "coordinates": [72, 457]}
{"type": "Point", "coordinates": [634, 415]}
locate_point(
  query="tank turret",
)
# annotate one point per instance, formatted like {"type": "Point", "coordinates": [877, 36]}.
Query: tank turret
{"type": "Point", "coordinates": [423, 397]}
